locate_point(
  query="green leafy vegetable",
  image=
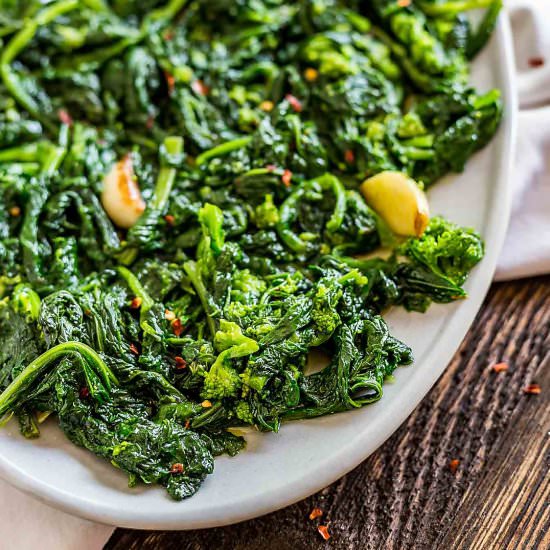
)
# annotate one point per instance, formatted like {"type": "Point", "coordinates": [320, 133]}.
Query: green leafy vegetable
{"type": "Point", "coordinates": [239, 132]}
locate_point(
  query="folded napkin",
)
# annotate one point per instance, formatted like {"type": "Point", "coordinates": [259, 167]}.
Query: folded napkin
{"type": "Point", "coordinates": [526, 249]}
{"type": "Point", "coordinates": [526, 252]}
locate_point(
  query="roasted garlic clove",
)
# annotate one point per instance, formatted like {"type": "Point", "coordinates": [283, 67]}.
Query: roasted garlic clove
{"type": "Point", "coordinates": [121, 197]}
{"type": "Point", "coordinates": [399, 201]}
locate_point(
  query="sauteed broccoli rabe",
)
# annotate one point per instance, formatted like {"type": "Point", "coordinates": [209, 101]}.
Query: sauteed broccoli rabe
{"type": "Point", "coordinates": [196, 194]}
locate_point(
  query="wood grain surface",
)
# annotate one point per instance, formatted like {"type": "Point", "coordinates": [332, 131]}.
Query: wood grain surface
{"type": "Point", "coordinates": [408, 495]}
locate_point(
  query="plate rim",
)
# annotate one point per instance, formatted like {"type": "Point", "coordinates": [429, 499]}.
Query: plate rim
{"type": "Point", "coordinates": [358, 449]}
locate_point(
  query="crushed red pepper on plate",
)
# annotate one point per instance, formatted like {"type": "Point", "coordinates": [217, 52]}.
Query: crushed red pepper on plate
{"type": "Point", "coordinates": [181, 363]}
{"type": "Point", "coordinates": [65, 117]}
{"type": "Point", "coordinates": [294, 102]}
{"type": "Point", "coordinates": [286, 178]}
{"type": "Point", "coordinates": [532, 389]}
{"type": "Point", "coordinates": [199, 87]}
{"type": "Point", "coordinates": [177, 468]}
{"type": "Point", "coordinates": [323, 531]}
{"type": "Point", "coordinates": [84, 392]}
{"type": "Point", "coordinates": [177, 327]}
{"type": "Point", "coordinates": [170, 82]}
{"type": "Point", "coordinates": [315, 513]}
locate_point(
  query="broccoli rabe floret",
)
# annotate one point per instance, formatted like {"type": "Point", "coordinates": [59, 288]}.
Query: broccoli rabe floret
{"type": "Point", "coordinates": [222, 380]}
{"type": "Point", "coordinates": [243, 412]}
{"type": "Point", "coordinates": [247, 288]}
{"type": "Point", "coordinates": [267, 214]}
{"type": "Point", "coordinates": [447, 249]}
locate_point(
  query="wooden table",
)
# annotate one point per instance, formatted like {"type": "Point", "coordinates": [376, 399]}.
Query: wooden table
{"type": "Point", "coordinates": [406, 496]}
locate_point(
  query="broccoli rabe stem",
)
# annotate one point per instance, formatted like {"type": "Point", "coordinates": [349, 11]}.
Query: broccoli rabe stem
{"type": "Point", "coordinates": [146, 301]}
{"type": "Point", "coordinates": [223, 149]}
{"type": "Point", "coordinates": [193, 272]}
{"type": "Point", "coordinates": [173, 146]}
{"type": "Point", "coordinates": [452, 7]}
{"type": "Point", "coordinates": [12, 395]}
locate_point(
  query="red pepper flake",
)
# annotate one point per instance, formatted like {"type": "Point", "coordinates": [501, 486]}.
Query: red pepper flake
{"type": "Point", "coordinates": [177, 327]}
{"type": "Point", "coordinates": [536, 62]}
{"type": "Point", "coordinates": [65, 117]}
{"type": "Point", "coordinates": [323, 531]}
{"type": "Point", "coordinates": [294, 102]}
{"type": "Point", "coordinates": [199, 87]}
{"type": "Point", "coordinates": [84, 392]}
{"type": "Point", "coordinates": [177, 468]}
{"type": "Point", "coordinates": [133, 349]}
{"type": "Point", "coordinates": [170, 82]}
{"type": "Point", "coordinates": [181, 363]}
{"type": "Point", "coordinates": [453, 465]}
{"type": "Point", "coordinates": [206, 404]}
{"type": "Point", "coordinates": [286, 178]}
{"type": "Point", "coordinates": [532, 389]}
{"type": "Point", "coordinates": [150, 122]}
{"type": "Point", "coordinates": [169, 219]}
{"type": "Point", "coordinates": [136, 303]}
{"type": "Point", "coordinates": [169, 315]}
{"type": "Point", "coordinates": [404, 3]}
{"type": "Point", "coordinates": [187, 424]}
{"type": "Point", "coordinates": [349, 156]}
{"type": "Point", "coordinates": [500, 367]}
{"type": "Point", "coordinates": [271, 168]}
{"type": "Point", "coordinates": [87, 312]}
{"type": "Point", "coordinates": [15, 211]}
{"type": "Point", "coordinates": [315, 513]}
{"type": "Point", "coordinates": [168, 35]}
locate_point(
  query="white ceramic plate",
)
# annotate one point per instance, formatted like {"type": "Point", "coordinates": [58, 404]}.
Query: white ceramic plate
{"type": "Point", "coordinates": [279, 469]}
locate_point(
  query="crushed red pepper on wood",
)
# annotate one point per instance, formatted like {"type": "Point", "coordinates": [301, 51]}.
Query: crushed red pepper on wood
{"type": "Point", "coordinates": [500, 367]}
{"type": "Point", "coordinates": [532, 389]}
{"type": "Point", "coordinates": [453, 465]}
{"type": "Point", "coordinates": [323, 531]}
{"type": "Point", "coordinates": [315, 513]}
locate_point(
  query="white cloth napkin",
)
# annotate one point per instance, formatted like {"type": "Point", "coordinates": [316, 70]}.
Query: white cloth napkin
{"type": "Point", "coordinates": [526, 252]}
